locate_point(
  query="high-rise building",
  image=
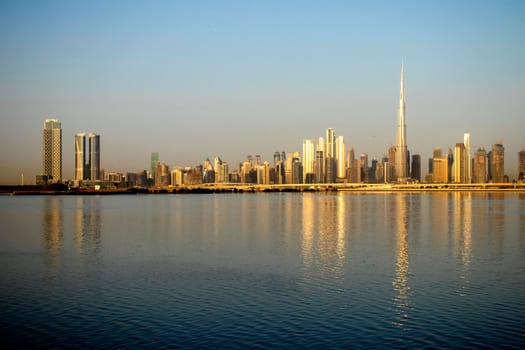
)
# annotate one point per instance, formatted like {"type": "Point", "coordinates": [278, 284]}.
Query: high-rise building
{"type": "Point", "coordinates": [87, 157]}
{"type": "Point", "coordinates": [153, 162]}
{"type": "Point", "coordinates": [330, 161]}
{"type": "Point", "coordinates": [319, 167]}
{"type": "Point", "coordinates": [521, 164]}
{"type": "Point", "coordinates": [308, 161]}
{"type": "Point", "coordinates": [80, 157]}
{"type": "Point", "coordinates": [440, 174]}
{"type": "Point", "coordinates": [458, 168]}
{"type": "Point", "coordinates": [479, 174]}
{"type": "Point", "coordinates": [364, 167]}
{"type": "Point", "coordinates": [162, 174]}
{"type": "Point", "coordinates": [401, 144]}
{"type": "Point", "coordinates": [52, 150]}
{"type": "Point", "coordinates": [415, 172]}
{"type": "Point", "coordinates": [468, 158]}
{"type": "Point", "coordinates": [340, 155]}
{"type": "Point", "coordinates": [497, 162]}
{"type": "Point", "coordinates": [94, 156]}
{"type": "Point", "coordinates": [276, 158]}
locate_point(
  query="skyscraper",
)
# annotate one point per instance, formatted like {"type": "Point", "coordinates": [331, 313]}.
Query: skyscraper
{"type": "Point", "coordinates": [330, 166]}
{"type": "Point", "coordinates": [340, 155]}
{"type": "Point", "coordinates": [521, 164]}
{"type": "Point", "coordinates": [80, 157]}
{"type": "Point", "coordinates": [87, 157]}
{"type": "Point", "coordinates": [52, 149]}
{"type": "Point", "coordinates": [497, 162]}
{"type": "Point", "coordinates": [401, 145]}
{"type": "Point", "coordinates": [153, 163]}
{"type": "Point", "coordinates": [415, 172]}
{"type": "Point", "coordinates": [308, 161]}
{"type": "Point", "coordinates": [94, 156]}
{"type": "Point", "coordinates": [468, 158]}
{"type": "Point", "coordinates": [458, 168]}
{"type": "Point", "coordinates": [480, 166]}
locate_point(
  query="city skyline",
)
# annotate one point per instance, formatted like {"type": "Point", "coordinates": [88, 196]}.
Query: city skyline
{"type": "Point", "coordinates": [241, 78]}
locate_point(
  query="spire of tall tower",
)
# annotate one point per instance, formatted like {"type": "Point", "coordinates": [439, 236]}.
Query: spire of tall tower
{"type": "Point", "coordinates": [402, 93]}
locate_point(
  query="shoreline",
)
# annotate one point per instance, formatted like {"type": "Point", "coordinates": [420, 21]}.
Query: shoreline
{"type": "Point", "coordinates": [253, 188]}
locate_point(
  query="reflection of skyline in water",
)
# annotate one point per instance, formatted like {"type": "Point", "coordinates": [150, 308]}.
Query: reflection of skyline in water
{"type": "Point", "coordinates": [52, 230]}
{"type": "Point", "coordinates": [87, 225]}
{"type": "Point", "coordinates": [324, 235]}
{"type": "Point", "coordinates": [462, 231]}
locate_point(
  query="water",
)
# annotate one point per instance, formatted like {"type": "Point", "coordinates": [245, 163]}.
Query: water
{"type": "Point", "coordinates": [263, 271]}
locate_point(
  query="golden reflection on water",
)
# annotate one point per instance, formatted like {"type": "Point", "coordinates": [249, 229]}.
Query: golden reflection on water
{"type": "Point", "coordinates": [52, 230]}
{"type": "Point", "coordinates": [400, 282]}
{"type": "Point", "coordinates": [462, 229]}
{"type": "Point", "coordinates": [324, 236]}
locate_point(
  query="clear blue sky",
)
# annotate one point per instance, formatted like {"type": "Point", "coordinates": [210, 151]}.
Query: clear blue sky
{"type": "Point", "coordinates": [195, 79]}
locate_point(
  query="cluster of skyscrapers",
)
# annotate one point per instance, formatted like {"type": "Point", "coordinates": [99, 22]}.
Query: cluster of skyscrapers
{"type": "Point", "coordinates": [323, 160]}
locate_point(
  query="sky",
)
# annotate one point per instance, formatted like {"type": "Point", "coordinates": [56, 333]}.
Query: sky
{"type": "Point", "coordinates": [198, 79]}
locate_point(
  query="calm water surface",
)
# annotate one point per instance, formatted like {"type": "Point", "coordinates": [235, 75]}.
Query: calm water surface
{"type": "Point", "coordinates": [263, 271]}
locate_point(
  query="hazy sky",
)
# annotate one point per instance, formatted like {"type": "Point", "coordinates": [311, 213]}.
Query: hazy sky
{"type": "Point", "coordinates": [195, 79]}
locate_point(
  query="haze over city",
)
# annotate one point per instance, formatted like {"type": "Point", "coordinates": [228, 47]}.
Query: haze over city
{"type": "Point", "coordinates": [192, 80]}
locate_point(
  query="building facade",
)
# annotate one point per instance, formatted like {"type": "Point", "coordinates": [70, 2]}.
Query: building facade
{"type": "Point", "coordinates": [521, 165]}
{"type": "Point", "coordinates": [479, 174]}
{"type": "Point", "coordinates": [52, 150]}
{"type": "Point", "coordinates": [459, 165]}
{"type": "Point", "coordinates": [497, 164]}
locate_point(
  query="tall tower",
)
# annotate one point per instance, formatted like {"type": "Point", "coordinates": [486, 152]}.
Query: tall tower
{"type": "Point", "coordinates": [401, 142]}
{"type": "Point", "coordinates": [340, 156]}
{"type": "Point", "coordinates": [153, 162]}
{"type": "Point", "coordinates": [497, 162]}
{"type": "Point", "coordinates": [468, 158]}
{"type": "Point", "coordinates": [308, 161]}
{"type": "Point", "coordinates": [94, 156]}
{"type": "Point", "coordinates": [330, 167]}
{"type": "Point", "coordinates": [459, 165]}
{"type": "Point", "coordinates": [52, 149]}
{"type": "Point", "coordinates": [80, 157]}
{"type": "Point", "coordinates": [521, 164]}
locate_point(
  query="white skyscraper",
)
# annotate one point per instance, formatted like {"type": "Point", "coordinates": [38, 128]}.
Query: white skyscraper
{"type": "Point", "coordinates": [308, 161]}
{"type": "Point", "coordinates": [52, 149]}
{"type": "Point", "coordinates": [401, 145]}
{"type": "Point", "coordinates": [340, 155]}
{"type": "Point", "coordinates": [468, 158]}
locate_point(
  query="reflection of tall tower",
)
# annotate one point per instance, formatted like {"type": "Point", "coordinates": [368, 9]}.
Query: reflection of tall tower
{"type": "Point", "coordinates": [401, 145]}
{"type": "Point", "coordinates": [52, 231]}
{"type": "Point", "coordinates": [52, 149]}
{"type": "Point", "coordinates": [400, 283]}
